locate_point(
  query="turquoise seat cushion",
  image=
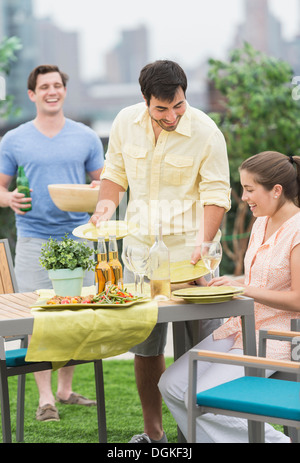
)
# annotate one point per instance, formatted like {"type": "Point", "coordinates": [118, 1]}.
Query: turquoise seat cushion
{"type": "Point", "coordinates": [15, 357]}
{"type": "Point", "coordinates": [260, 396]}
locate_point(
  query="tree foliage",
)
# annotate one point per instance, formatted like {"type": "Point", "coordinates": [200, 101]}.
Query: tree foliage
{"type": "Point", "coordinates": [8, 49]}
{"type": "Point", "coordinates": [259, 114]}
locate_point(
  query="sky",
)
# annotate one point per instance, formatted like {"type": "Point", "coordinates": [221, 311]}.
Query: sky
{"type": "Point", "coordinates": [187, 31]}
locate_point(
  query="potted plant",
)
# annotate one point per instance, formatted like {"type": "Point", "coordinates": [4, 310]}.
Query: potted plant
{"type": "Point", "coordinates": [66, 262]}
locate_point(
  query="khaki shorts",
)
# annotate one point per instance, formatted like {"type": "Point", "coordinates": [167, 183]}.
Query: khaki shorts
{"type": "Point", "coordinates": [155, 344]}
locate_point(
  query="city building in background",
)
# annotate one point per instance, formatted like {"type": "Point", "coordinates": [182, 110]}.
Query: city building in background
{"type": "Point", "coordinates": [61, 48]}
{"type": "Point", "coordinates": [126, 59]}
{"type": "Point", "coordinates": [264, 32]}
{"type": "Point", "coordinates": [97, 102]}
{"type": "Point", "coordinates": [261, 29]}
{"type": "Point", "coordinates": [17, 20]}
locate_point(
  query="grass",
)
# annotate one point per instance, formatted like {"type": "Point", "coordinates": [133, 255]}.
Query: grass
{"type": "Point", "coordinates": [79, 424]}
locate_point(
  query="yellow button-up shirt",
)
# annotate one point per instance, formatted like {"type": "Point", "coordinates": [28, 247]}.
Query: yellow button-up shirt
{"type": "Point", "coordinates": [170, 179]}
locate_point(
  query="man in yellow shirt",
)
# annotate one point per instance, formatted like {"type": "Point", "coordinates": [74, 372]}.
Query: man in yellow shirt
{"type": "Point", "coordinates": [174, 159]}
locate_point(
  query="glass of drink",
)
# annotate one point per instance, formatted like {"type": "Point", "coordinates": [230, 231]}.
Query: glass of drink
{"type": "Point", "coordinates": [139, 258]}
{"type": "Point", "coordinates": [127, 262]}
{"type": "Point", "coordinates": [211, 252]}
{"type": "Point", "coordinates": [159, 267]}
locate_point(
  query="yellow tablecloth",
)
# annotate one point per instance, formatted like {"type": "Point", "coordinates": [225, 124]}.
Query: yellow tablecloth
{"type": "Point", "coordinates": [88, 334]}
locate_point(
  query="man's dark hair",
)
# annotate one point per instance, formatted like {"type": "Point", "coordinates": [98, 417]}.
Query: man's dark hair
{"type": "Point", "coordinates": [44, 69]}
{"type": "Point", "coordinates": [161, 79]}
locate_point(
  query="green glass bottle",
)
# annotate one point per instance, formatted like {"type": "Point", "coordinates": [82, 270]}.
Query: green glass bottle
{"type": "Point", "coordinates": [23, 187]}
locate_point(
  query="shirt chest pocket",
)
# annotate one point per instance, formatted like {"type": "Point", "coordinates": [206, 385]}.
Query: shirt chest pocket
{"type": "Point", "coordinates": [177, 169]}
{"type": "Point", "coordinates": [135, 161]}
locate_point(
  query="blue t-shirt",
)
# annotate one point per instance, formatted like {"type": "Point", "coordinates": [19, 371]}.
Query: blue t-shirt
{"type": "Point", "coordinates": [65, 158]}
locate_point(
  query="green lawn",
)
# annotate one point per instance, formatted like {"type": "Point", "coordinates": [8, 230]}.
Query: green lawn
{"type": "Point", "coordinates": [79, 424]}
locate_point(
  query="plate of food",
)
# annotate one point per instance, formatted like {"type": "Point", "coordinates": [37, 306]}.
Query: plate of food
{"type": "Point", "coordinates": [119, 228]}
{"type": "Point", "coordinates": [112, 297]}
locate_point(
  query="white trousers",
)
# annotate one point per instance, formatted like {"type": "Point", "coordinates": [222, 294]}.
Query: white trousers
{"type": "Point", "coordinates": [210, 428]}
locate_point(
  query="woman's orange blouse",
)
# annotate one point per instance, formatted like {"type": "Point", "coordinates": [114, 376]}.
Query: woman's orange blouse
{"type": "Point", "coordinates": [268, 265]}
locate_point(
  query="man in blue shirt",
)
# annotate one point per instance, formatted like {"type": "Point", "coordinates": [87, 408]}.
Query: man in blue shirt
{"type": "Point", "coordinates": [52, 149]}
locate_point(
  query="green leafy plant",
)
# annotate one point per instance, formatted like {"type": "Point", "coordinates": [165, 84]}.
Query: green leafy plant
{"type": "Point", "coordinates": [9, 48]}
{"type": "Point", "coordinates": [66, 254]}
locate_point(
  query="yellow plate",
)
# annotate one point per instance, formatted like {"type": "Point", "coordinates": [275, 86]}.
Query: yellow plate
{"type": "Point", "coordinates": [209, 299]}
{"type": "Point", "coordinates": [120, 228]}
{"type": "Point", "coordinates": [184, 271]}
{"type": "Point", "coordinates": [207, 291]}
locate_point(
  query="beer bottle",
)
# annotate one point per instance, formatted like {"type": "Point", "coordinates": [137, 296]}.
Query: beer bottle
{"type": "Point", "coordinates": [102, 270]}
{"type": "Point", "coordinates": [159, 268]}
{"type": "Point", "coordinates": [114, 263]}
{"type": "Point", "coordinates": [23, 187]}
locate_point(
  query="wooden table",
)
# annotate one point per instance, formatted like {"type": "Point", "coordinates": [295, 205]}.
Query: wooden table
{"type": "Point", "coordinates": [16, 317]}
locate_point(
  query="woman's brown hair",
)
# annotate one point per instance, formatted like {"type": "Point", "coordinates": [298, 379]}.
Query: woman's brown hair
{"type": "Point", "coordinates": [271, 168]}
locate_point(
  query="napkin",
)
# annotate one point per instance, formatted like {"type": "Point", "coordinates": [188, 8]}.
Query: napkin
{"type": "Point", "coordinates": [88, 334]}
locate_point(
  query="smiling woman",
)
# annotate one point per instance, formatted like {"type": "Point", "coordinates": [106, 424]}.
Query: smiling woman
{"type": "Point", "coordinates": [271, 184]}
{"type": "Point", "coordinates": [261, 202]}
{"type": "Point", "coordinates": [271, 187]}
